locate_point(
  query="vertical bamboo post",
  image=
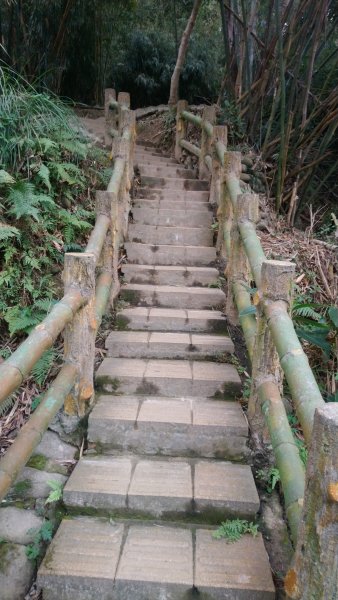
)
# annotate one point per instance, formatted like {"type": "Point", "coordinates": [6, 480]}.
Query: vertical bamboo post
{"type": "Point", "coordinates": [181, 128]}
{"type": "Point", "coordinates": [231, 171]}
{"type": "Point", "coordinates": [103, 207]}
{"type": "Point", "coordinates": [276, 285]}
{"type": "Point", "coordinates": [209, 114]}
{"type": "Point", "coordinates": [314, 571]}
{"type": "Point", "coordinates": [217, 185]}
{"type": "Point", "coordinates": [116, 224]}
{"type": "Point", "coordinates": [109, 115]}
{"type": "Point", "coordinates": [123, 99]}
{"type": "Point", "coordinates": [79, 335]}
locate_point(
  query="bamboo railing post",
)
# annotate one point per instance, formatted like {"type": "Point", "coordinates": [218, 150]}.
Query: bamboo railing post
{"type": "Point", "coordinates": [276, 285]}
{"type": "Point", "coordinates": [110, 117]}
{"type": "Point", "coordinates": [181, 128]}
{"type": "Point", "coordinates": [103, 207]}
{"type": "Point", "coordinates": [217, 185]}
{"type": "Point", "coordinates": [79, 335]}
{"type": "Point", "coordinates": [123, 99]}
{"type": "Point", "coordinates": [314, 570]}
{"type": "Point", "coordinates": [231, 171]}
{"type": "Point", "coordinates": [209, 114]}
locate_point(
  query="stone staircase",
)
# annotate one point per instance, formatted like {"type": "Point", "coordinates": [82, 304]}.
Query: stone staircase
{"type": "Point", "coordinates": [170, 440]}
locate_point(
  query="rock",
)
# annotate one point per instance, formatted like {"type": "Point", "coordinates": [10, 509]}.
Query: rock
{"type": "Point", "coordinates": [16, 571]}
{"type": "Point", "coordinates": [52, 447]}
{"type": "Point", "coordinates": [15, 524]}
{"type": "Point", "coordinates": [33, 483]}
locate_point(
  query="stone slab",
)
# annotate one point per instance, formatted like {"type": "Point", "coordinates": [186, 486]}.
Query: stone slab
{"type": "Point", "coordinates": [165, 171]}
{"type": "Point", "coordinates": [167, 377]}
{"type": "Point", "coordinates": [167, 194]}
{"type": "Point", "coordinates": [162, 254]}
{"type": "Point", "coordinates": [172, 183]}
{"type": "Point", "coordinates": [100, 483]}
{"type": "Point", "coordinates": [16, 572]}
{"type": "Point", "coordinates": [52, 447]}
{"type": "Point", "coordinates": [197, 298]}
{"type": "Point", "coordinates": [227, 487]}
{"type": "Point", "coordinates": [143, 344]}
{"type": "Point", "coordinates": [226, 571]}
{"type": "Point", "coordinates": [156, 425]}
{"type": "Point", "coordinates": [169, 275]}
{"type": "Point", "coordinates": [172, 217]}
{"type": "Point", "coordinates": [157, 562]}
{"type": "Point", "coordinates": [161, 486]}
{"type": "Point", "coordinates": [169, 319]}
{"type": "Point", "coordinates": [175, 236]}
{"type": "Point", "coordinates": [33, 483]}
{"type": "Point", "coordinates": [81, 561]}
{"type": "Point", "coordinates": [160, 204]}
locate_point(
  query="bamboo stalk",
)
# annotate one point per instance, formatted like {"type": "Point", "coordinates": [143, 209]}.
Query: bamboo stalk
{"type": "Point", "coordinates": [14, 370]}
{"type": "Point", "coordinates": [286, 453]}
{"type": "Point", "coordinates": [190, 147]}
{"type": "Point", "coordinates": [31, 433]}
{"type": "Point", "coordinates": [98, 236]}
{"type": "Point", "coordinates": [188, 116]}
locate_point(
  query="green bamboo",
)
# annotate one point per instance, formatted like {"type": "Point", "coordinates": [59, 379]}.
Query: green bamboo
{"type": "Point", "coordinates": [288, 461]}
{"type": "Point", "coordinates": [190, 147]}
{"type": "Point", "coordinates": [102, 294]}
{"type": "Point", "coordinates": [20, 363]}
{"type": "Point", "coordinates": [188, 116]}
{"type": "Point", "coordinates": [98, 236]}
{"type": "Point", "coordinates": [117, 175]}
{"type": "Point", "coordinates": [31, 433]}
{"type": "Point", "coordinates": [234, 188]}
{"type": "Point", "coordinates": [247, 321]}
{"type": "Point", "coordinates": [220, 150]}
{"type": "Point", "coordinates": [302, 383]}
{"type": "Point", "coordinates": [208, 128]}
{"type": "Point", "coordinates": [253, 249]}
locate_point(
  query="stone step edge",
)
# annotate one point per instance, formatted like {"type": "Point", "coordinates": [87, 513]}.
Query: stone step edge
{"type": "Point", "coordinates": [154, 560]}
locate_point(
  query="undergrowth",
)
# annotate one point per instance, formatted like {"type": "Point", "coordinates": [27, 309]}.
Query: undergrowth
{"type": "Point", "coordinates": [47, 172]}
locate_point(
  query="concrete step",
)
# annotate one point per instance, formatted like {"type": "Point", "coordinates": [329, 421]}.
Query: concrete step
{"type": "Point", "coordinates": [144, 159]}
{"type": "Point", "coordinates": [170, 194]}
{"type": "Point", "coordinates": [162, 487]}
{"type": "Point", "coordinates": [95, 558]}
{"type": "Point", "coordinates": [171, 319]}
{"type": "Point", "coordinates": [177, 236]}
{"type": "Point", "coordinates": [151, 153]}
{"type": "Point", "coordinates": [163, 171]}
{"type": "Point", "coordinates": [159, 344]}
{"type": "Point", "coordinates": [172, 205]}
{"type": "Point", "coordinates": [170, 275]}
{"type": "Point", "coordinates": [162, 426]}
{"type": "Point", "coordinates": [172, 217]}
{"type": "Point", "coordinates": [172, 296]}
{"type": "Point", "coordinates": [172, 183]}
{"type": "Point", "coordinates": [168, 377]}
{"type": "Point", "coordinates": [161, 254]}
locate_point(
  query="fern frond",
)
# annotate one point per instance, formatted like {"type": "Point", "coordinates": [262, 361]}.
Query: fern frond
{"type": "Point", "coordinates": [8, 231]}
{"type": "Point", "coordinates": [6, 178]}
{"type": "Point", "coordinates": [41, 369]}
{"type": "Point", "coordinates": [6, 405]}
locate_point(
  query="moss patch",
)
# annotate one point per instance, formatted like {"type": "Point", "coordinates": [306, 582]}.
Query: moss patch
{"type": "Point", "coordinates": [7, 550]}
{"type": "Point", "coordinates": [38, 461]}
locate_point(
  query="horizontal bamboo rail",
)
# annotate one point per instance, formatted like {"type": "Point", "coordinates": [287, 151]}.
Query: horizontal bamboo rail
{"type": "Point", "coordinates": [190, 147]}
{"type": "Point", "coordinates": [79, 313]}
{"type": "Point", "coordinates": [272, 342]}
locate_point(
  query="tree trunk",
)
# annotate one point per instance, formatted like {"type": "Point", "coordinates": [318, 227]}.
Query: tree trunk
{"type": "Point", "coordinates": [175, 79]}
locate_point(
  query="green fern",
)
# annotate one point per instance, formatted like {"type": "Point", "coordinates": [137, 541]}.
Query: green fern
{"type": "Point", "coordinates": [43, 174]}
{"type": "Point", "coordinates": [6, 405]}
{"type": "Point", "coordinates": [8, 231]}
{"type": "Point", "coordinates": [6, 178]}
{"type": "Point", "coordinates": [41, 370]}
{"type": "Point", "coordinates": [233, 530]}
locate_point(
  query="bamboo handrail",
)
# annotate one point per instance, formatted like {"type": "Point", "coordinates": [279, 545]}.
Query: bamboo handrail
{"type": "Point", "coordinates": [98, 236]}
{"type": "Point", "coordinates": [20, 363]}
{"type": "Point", "coordinates": [190, 147]}
{"type": "Point", "coordinates": [31, 433]}
{"type": "Point", "coordinates": [228, 170]}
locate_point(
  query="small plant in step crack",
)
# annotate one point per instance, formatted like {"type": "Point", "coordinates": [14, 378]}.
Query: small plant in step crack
{"type": "Point", "coordinates": [219, 283]}
{"type": "Point", "coordinates": [233, 529]}
{"type": "Point", "coordinates": [270, 477]}
{"type": "Point", "coordinates": [42, 536]}
{"type": "Point", "coordinates": [56, 493]}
